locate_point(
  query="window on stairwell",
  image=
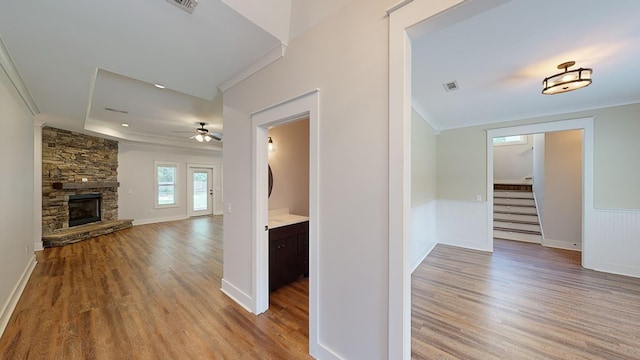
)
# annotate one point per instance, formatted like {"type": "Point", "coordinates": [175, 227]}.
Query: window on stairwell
{"type": "Point", "coordinates": [166, 184]}
{"type": "Point", "coordinates": [510, 140]}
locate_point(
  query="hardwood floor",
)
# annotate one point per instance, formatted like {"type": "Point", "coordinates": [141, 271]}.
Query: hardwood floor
{"type": "Point", "coordinates": [524, 301]}
{"type": "Point", "coordinates": [150, 292]}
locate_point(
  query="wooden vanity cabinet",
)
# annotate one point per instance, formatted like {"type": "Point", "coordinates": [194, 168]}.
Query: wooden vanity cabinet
{"type": "Point", "coordinates": [288, 254]}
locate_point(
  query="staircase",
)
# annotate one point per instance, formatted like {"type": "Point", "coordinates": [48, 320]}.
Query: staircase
{"type": "Point", "coordinates": [514, 214]}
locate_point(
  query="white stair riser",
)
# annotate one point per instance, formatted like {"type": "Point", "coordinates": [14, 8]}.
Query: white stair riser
{"type": "Point", "coordinates": [511, 201]}
{"type": "Point", "coordinates": [517, 209]}
{"type": "Point", "coordinates": [516, 226]}
{"type": "Point", "coordinates": [514, 194]}
{"type": "Point", "coordinates": [507, 217]}
{"type": "Point", "coordinates": [517, 236]}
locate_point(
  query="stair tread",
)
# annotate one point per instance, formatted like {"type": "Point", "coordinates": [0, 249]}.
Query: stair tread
{"type": "Point", "coordinates": [524, 222]}
{"type": "Point", "coordinates": [531, 232]}
{"type": "Point", "coordinates": [511, 204]}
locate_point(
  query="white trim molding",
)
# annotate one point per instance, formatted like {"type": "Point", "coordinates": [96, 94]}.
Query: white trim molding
{"type": "Point", "coordinates": [269, 57]}
{"type": "Point", "coordinates": [7, 64]}
{"type": "Point", "coordinates": [10, 305]}
{"type": "Point", "coordinates": [306, 104]}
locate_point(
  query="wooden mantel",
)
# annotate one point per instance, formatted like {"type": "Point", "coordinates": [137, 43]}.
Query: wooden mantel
{"type": "Point", "coordinates": [85, 185]}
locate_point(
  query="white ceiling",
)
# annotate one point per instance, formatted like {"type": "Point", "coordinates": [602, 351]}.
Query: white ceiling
{"type": "Point", "coordinates": [500, 56]}
{"type": "Point", "coordinates": [78, 58]}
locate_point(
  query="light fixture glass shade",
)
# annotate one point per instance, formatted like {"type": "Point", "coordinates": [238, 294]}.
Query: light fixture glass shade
{"type": "Point", "coordinates": [199, 137]}
{"type": "Point", "coordinates": [207, 138]}
{"type": "Point", "coordinates": [568, 80]}
{"type": "Point", "coordinates": [270, 145]}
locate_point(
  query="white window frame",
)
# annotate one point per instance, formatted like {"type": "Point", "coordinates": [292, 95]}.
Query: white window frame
{"type": "Point", "coordinates": [156, 200]}
{"type": "Point", "coordinates": [524, 139]}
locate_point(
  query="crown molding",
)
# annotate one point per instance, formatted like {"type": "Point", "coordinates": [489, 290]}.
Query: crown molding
{"type": "Point", "coordinates": [267, 58]}
{"type": "Point", "coordinates": [6, 63]}
{"type": "Point", "coordinates": [423, 113]}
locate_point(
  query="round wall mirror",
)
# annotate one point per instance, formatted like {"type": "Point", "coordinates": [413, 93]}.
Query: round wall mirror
{"type": "Point", "coordinates": [270, 181]}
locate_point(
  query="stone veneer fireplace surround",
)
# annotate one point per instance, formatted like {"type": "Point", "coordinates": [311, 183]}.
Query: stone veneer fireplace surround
{"type": "Point", "coordinates": [76, 164]}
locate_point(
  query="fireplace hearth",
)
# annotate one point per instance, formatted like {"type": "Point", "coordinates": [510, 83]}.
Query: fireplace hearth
{"type": "Point", "coordinates": [84, 209]}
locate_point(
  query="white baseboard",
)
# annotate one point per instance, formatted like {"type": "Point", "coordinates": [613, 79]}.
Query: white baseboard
{"type": "Point", "coordinates": [561, 244]}
{"type": "Point", "coordinates": [323, 352]}
{"type": "Point", "coordinates": [237, 295]}
{"type": "Point", "coordinates": [158, 220]}
{"type": "Point", "coordinates": [12, 301]}
{"type": "Point", "coordinates": [423, 255]}
{"type": "Point", "coordinates": [37, 246]}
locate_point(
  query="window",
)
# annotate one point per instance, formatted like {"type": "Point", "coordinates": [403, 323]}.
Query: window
{"type": "Point", "coordinates": [510, 140]}
{"type": "Point", "coordinates": [166, 184]}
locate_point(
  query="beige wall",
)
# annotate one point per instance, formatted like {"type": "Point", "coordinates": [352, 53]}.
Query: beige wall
{"type": "Point", "coordinates": [562, 219]}
{"type": "Point", "coordinates": [347, 57]}
{"type": "Point", "coordinates": [290, 167]}
{"type": "Point", "coordinates": [16, 192]}
{"type": "Point", "coordinates": [513, 163]}
{"type": "Point", "coordinates": [462, 157]}
{"type": "Point", "coordinates": [462, 164]}
{"type": "Point", "coordinates": [423, 161]}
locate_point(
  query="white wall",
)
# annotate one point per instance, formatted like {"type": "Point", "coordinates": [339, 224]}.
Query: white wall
{"type": "Point", "coordinates": [512, 164]}
{"type": "Point", "coordinates": [423, 189]}
{"type": "Point", "coordinates": [538, 172]}
{"type": "Point", "coordinates": [16, 191]}
{"type": "Point", "coordinates": [136, 176]}
{"type": "Point", "coordinates": [290, 167]}
{"type": "Point", "coordinates": [346, 57]}
{"type": "Point", "coordinates": [562, 214]}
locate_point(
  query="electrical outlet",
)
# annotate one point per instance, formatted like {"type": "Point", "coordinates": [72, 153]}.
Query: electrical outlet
{"type": "Point", "coordinates": [478, 197]}
{"type": "Point", "coordinates": [228, 208]}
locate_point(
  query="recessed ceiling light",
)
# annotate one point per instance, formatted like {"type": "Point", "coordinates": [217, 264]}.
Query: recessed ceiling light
{"type": "Point", "coordinates": [125, 125]}
{"type": "Point", "coordinates": [159, 86]}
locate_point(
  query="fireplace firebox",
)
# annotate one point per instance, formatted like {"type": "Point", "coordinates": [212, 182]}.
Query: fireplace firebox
{"type": "Point", "coordinates": [84, 209]}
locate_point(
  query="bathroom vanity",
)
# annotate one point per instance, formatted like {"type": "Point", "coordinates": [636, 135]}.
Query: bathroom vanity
{"type": "Point", "coordinates": [288, 248]}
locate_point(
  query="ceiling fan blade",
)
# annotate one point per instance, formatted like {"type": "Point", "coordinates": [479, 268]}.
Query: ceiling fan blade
{"type": "Point", "coordinates": [216, 137]}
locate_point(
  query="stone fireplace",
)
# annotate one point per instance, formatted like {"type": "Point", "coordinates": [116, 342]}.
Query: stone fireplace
{"type": "Point", "coordinates": [79, 180]}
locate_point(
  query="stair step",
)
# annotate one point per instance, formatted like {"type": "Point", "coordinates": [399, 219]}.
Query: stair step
{"type": "Point", "coordinates": [519, 231]}
{"type": "Point", "coordinates": [506, 216]}
{"type": "Point", "coordinates": [510, 209]}
{"type": "Point", "coordinates": [511, 235]}
{"type": "Point", "coordinates": [513, 194]}
{"type": "Point", "coordinates": [508, 226]}
{"type": "Point", "coordinates": [515, 202]}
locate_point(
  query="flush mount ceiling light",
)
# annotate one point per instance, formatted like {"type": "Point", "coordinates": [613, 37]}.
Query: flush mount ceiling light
{"type": "Point", "coordinates": [567, 80]}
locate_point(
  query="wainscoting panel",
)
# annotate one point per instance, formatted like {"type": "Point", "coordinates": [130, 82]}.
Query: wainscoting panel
{"type": "Point", "coordinates": [423, 232]}
{"type": "Point", "coordinates": [615, 241]}
{"type": "Point", "coordinates": [463, 224]}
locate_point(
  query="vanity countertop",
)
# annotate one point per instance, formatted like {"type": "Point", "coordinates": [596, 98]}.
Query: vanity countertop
{"type": "Point", "coordinates": [281, 217]}
{"type": "Point", "coordinates": [284, 220]}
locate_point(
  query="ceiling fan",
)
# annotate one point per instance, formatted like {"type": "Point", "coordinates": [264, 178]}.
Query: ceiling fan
{"type": "Point", "coordinates": [203, 134]}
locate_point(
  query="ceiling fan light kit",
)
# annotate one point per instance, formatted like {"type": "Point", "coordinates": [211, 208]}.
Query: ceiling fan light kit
{"type": "Point", "coordinates": [567, 80]}
{"type": "Point", "coordinates": [202, 134]}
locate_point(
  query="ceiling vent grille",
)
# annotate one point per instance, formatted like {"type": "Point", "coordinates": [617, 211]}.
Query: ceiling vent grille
{"type": "Point", "coordinates": [186, 5]}
{"type": "Point", "coordinates": [451, 86]}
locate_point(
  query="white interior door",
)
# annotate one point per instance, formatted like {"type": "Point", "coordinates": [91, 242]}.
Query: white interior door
{"type": "Point", "coordinates": [200, 191]}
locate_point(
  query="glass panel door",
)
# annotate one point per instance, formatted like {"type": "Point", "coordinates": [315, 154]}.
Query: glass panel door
{"type": "Point", "coordinates": [201, 192]}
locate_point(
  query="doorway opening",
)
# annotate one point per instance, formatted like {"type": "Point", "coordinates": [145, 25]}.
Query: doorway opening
{"type": "Point", "coordinates": [537, 182]}
{"type": "Point", "coordinates": [300, 107]}
{"type": "Point", "coordinates": [585, 125]}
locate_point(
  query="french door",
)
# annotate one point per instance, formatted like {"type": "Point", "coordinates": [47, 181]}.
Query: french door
{"type": "Point", "coordinates": [201, 194]}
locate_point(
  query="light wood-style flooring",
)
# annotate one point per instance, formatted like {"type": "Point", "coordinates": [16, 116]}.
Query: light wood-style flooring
{"type": "Point", "coordinates": [150, 292]}
{"type": "Point", "coordinates": [524, 301]}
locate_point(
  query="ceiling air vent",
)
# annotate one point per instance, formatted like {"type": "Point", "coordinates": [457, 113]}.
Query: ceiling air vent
{"type": "Point", "coordinates": [186, 5]}
{"type": "Point", "coordinates": [451, 86]}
